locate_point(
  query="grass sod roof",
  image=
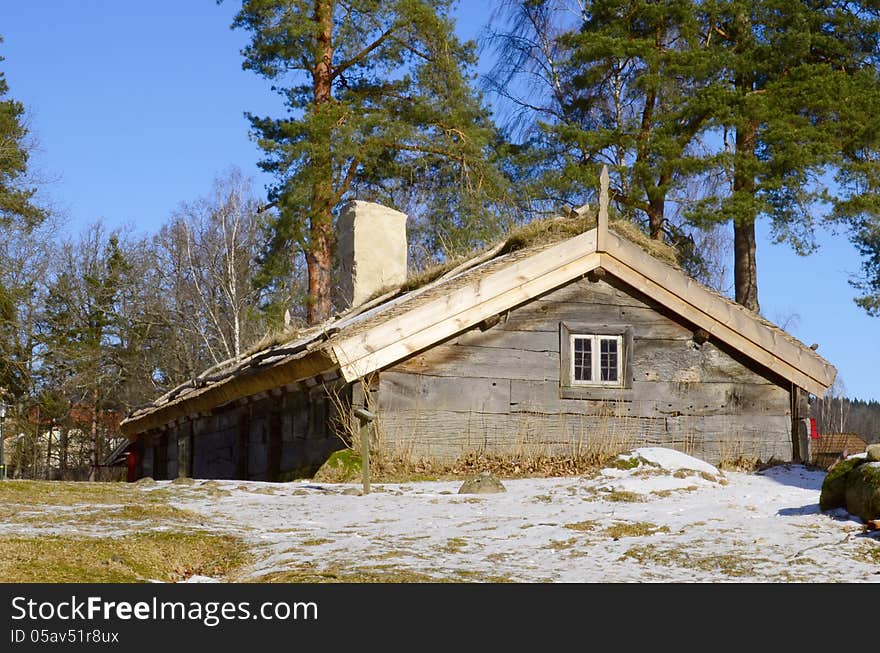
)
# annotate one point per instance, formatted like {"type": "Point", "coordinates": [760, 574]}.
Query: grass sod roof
{"type": "Point", "coordinates": [291, 356]}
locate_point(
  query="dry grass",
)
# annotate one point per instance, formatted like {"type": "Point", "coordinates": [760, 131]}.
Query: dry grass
{"type": "Point", "coordinates": [68, 493]}
{"type": "Point", "coordinates": [583, 525]}
{"type": "Point", "coordinates": [142, 516]}
{"type": "Point", "coordinates": [726, 564]}
{"type": "Point", "coordinates": [400, 468]}
{"type": "Point", "coordinates": [633, 529]}
{"type": "Point", "coordinates": [347, 574]}
{"type": "Point", "coordinates": [138, 557]}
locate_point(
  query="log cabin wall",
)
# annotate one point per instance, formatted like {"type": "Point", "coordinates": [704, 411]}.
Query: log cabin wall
{"type": "Point", "coordinates": [498, 391]}
{"type": "Point", "coordinates": [277, 437]}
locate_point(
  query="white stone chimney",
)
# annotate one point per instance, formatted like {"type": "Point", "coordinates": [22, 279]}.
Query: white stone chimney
{"type": "Point", "coordinates": [372, 251]}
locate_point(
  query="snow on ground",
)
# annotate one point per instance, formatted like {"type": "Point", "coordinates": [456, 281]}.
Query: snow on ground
{"type": "Point", "coordinates": [658, 516]}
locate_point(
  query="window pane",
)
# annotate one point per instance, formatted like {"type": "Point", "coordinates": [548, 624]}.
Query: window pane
{"type": "Point", "coordinates": [608, 359]}
{"type": "Point", "coordinates": [582, 359]}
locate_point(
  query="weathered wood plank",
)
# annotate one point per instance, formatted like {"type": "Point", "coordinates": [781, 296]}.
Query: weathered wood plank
{"type": "Point", "coordinates": [483, 362]}
{"type": "Point", "coordinates": [411, 392]}
{"type": "Point", "coordinates": [682, 361]}
{"type": "Point", "coordinates": [514, 340]}
{"type": "Point", "coordinates": [654, 399]}
{"type": "Point", "coordinates": [546, 315]}
{"type": "Point", "coordinates": [606, 291]}
{"type": "Point", "coordinates": [443, 435]}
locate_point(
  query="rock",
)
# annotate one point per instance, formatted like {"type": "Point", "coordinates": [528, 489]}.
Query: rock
{"type": "Point", "coordinates": [834, 486]}
{"type": "Point", "coordinates": [863, 491]}
{"type": "Point", "coordinates": [481, 484]}
{"type": "Point", "coordinates": [146, 480]}
{"type": "Point", "coordinates": [342, 466]}
{"type": "Point", "coordinates": [873, 453]}
{"type": "Point", "coordinates": [352, 492]}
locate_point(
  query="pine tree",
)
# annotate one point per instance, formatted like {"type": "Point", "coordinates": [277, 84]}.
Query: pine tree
{"type": "Point", "coordinates": [16, 200]}
{"type": "Point", "coordinates": [763, 98]}
{"type": "Point", "coordinates": [17, 209]}
{"type": "Point", "coordinates": [378, 105]}
{"type": "Point", "coordinates": [790, 76]}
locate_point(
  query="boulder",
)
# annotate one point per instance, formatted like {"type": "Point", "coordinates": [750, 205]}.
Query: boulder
{"type": "Point", "coordinates": [863, 491]}
{"type": "Point", "coordinates": [481, 484]}
{"type": "Point", "coordinates": [873, 453]}
{"type": "Point", "coordinates": [834, 486]}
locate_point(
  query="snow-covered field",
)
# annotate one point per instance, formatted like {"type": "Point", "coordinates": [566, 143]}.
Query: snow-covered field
{"type": "Point", "coordinates": [657, 516]}
{"type": "Point", "coordinates": [670, 518]}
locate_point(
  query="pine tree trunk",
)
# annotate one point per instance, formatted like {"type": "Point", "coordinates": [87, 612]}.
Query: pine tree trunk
{"type": "Point", "coordinates": [745, 273]}
{"type": "Point", "coordinates": [745, 268]}
{"type": "Point", "coordinates": [656, 209]}
{"type": "Point", "coordinates": [62, 453]}
{"type": "Point", "coordinates": [49, 452]}
{"type": "Point", "coordinates": [320, 248]}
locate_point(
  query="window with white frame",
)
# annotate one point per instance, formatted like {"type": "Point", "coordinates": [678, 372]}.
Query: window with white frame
{"type": "Point", "coordinates": [596, 359]}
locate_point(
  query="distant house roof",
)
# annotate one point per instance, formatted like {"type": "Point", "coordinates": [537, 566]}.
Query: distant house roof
{"type": "Point", "coordinates": [837, 443]}
{"type": "Point", "coordinates": [396, 325]}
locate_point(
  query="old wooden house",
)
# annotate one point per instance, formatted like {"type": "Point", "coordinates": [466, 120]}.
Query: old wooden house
{"type": "Point", "coordinates": [551, 346]}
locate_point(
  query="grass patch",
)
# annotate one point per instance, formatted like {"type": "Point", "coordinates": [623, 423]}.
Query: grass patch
{"type": "Point", "coordinates": [561, 545]}
{"type": "Point", "coordinates": [347, 575]}
{"type": "Point", "coordinates": [128, 515]}
{"type": "Point", "coordinates": [869, 554]}
{"type": "Point", "coordinates": [68, 493]}
{"type": "Point", "coordinates": [624, 463]}
{"type": "Point", "coordinates": [583, 525]}
{"type": "Point", "coordinates": [454, 545]}
{"type": "Point", "coordinates": [316, 541]}
{"type": "Point", "coordinates": [634, 529]}
{"type": "Point", "coordinates": [138, 557]}
{"type": "Point", "coordinates": [623, 496]}
{"type": "Point", "coordinates": [727, 564]}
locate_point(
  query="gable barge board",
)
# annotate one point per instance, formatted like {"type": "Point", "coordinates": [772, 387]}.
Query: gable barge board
{"type": "Point", "coordinates": [665, 284]}
{"type": "Point", "coordinates": [716, 327]}
{"type": "Point", "coordinates": [464, 307]}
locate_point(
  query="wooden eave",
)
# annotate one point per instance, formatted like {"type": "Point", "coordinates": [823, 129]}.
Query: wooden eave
{"type": "Point", "coordinates": [396, 328]}
{"type": "Point", "coordinates": [525, 279]}
{"type": "Point", "coordinates": [236, 386]}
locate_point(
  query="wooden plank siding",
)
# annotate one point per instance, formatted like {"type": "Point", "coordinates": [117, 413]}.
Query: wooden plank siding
{"type": "Point", "coordinates": [498, 391]}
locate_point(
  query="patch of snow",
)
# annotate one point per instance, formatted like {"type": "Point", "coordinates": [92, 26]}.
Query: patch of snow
{"type": "Point", "coordinates": [200, 579]}
{"type": "Point", "coordinates": [670, 460]}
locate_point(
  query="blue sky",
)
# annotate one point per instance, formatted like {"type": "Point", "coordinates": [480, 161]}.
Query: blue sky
{"type": "Point", "coordinates": [138, 106]}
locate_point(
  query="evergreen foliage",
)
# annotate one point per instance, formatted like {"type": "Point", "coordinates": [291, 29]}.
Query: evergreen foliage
{"type": "Point", "coordinates": [379, 108]}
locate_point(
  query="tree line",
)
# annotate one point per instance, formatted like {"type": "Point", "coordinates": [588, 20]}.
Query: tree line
{"type": "Point", "coordinates": [711, 115]}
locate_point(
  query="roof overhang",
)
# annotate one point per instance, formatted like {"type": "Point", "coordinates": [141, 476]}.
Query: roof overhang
{"type": "Point", "coordinates": [497, 290]}
{"type": "Point", "coordinates": [430, 323]}
{"type": "Point", "coordinates": [235, 387]}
